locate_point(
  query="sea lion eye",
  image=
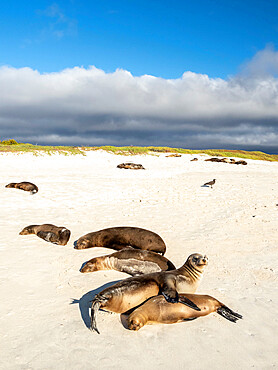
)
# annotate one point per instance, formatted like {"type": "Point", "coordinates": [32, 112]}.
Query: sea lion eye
{"type": "Point", "coordinates": [194, 259]}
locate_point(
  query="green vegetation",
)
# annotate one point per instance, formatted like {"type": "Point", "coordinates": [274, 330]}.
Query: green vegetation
{"type": "Point", "coordinates": [15, 147]}
{"type": "Point", "coordinates": [12, 146]}
{"type": "Point", "coordinates": [129, 150]}
{"type": "Point", "coordinates": [9, 142]}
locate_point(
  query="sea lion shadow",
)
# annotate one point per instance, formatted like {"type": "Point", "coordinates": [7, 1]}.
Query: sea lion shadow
{"type": "Point", "coordinates": [124, 320]}
{"type": "Point", "coordinates": [204, 186]}
{"type": "Point", "coordinates": [85, 302]}
{"type": "Point", "coordinates": [83, 264]}
{"type": "Point", "coordinates": [75, 244]}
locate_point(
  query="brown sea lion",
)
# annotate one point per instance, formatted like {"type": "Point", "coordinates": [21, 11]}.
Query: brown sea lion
{"type": "Point", "coordinates": [244, 163]}
{"type": "Point", "coordinates": [214, 159]}
{"type": "Point", "coordinates": [48, 232]}
{"type": "Point", "coordinates": [27, 186]}
{"type": "Point", "coordinates": [121, 237]}
{"type": "Point", "coordinates": [194, 159]}
{"type": "Point", "coordinates": [133, 291]}
{"type": "Point", "coordinates": [131, 261]}
{"type": "Point", "coordinates": [158, 310]}
{"type": "Point", "coordinates": [173, 155]}
{"type": "Point", "coordinates": [131, 166]}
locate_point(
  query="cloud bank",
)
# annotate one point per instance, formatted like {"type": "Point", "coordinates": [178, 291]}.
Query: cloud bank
{"type": "Point", "coordinates": [81, 106]}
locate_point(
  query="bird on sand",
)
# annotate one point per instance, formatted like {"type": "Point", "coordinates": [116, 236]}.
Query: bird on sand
{"type": "Point", "coordinates": [210, 183]}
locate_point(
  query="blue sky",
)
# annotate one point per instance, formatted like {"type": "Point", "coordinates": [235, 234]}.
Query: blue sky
{"type": "Point", "coordinates": [190, 74]}
{"type": "Point", "coordinates": [160, 38]}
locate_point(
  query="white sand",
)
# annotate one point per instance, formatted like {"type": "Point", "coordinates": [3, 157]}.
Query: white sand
{"type": "Point", "coordinates": [45, 299]}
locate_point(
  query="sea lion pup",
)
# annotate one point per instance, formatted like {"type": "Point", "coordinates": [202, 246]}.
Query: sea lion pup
{"type": "Point", "coordinates": [158, 310]}
{"type": "Point", "coordinates": [131, 261]}
{"type": "Point", "coordinates": [121, 237]}
{"type": "Point", "coordinates": [133, 291]}
{"type": "Point", "coordinates": [48, 232]}
{"type": "Point", "coordinates": [27, 186]}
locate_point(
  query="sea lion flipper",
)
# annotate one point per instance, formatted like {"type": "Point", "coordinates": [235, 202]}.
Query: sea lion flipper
{"type": "Point", "coordinates": [48, 236]}
{"type": "Point", "coordinates": [171, 295]}
{"type": "Point", "coordinates": [169, 290]}
{"type": "Point", "coordinates": [189, 303]}
{"type": "Point", "coordinates": [94, 310]}
{"type": "Point", "coordinates": [228, 313]}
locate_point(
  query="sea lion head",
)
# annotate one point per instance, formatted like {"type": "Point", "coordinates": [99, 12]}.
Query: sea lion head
{"type": "Point", "coordinates": [136, 321]}
{"type": "Point", "coordinates": [197, 261]}
{"type": "Point", "coordinates": [11, 185]}
{"type": "Point", "coordinates": [27, 230]}
{"type": "Point", "coordinates": [82, 243]}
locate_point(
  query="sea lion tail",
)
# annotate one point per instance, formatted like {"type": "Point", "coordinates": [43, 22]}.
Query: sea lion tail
{"type": "Point", "coordinates": [228, 313]}
{"type": "Point", "coordinates": [94, 311]}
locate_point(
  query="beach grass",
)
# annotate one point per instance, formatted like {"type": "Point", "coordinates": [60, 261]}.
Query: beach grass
{"type": "Point", "coordinates": [14, 147]}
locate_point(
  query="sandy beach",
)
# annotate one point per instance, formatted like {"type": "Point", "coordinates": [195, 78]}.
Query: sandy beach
{"type": "Point", "coordinates": [45, 313]}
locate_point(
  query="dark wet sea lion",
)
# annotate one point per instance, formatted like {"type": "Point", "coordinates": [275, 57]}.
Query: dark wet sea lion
{"type": "Point", "coordinates": [133, 291]}
{"type": "Point", "coordinates": [48, 232]}
{"type": "Point", "coordinates": [131, 166]}
{"type": "Point", "coordinates": [121, 237]}
{"type": "Point", "coordinates": [27, 186]}
{"type": "Point", "coordinates": [158, 310]}
{"type": "Point", "coordinates": [131, 261]}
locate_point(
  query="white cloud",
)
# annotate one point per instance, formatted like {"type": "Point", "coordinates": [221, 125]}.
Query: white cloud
{"type": "Point", "coordinates": [264, 63]}
{"type": "Point", "coordinates": [78, 104]}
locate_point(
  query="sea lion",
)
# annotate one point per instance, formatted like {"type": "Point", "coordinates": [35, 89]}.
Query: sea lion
{"type": "Point", "coordinates": [173, 155]}
{"type": "Point", "coordinates": [27, 186]}
{"type": "Point", "coordinates": [194, 159]}
{"type": "Point", "coordinates": [131, 166]}
{"type": "Point", "coordinates": [121, 237]}
{"type": "Point", "coordinates": [213, 159]}
{"type": "Point", "coordinates": [131, 261]}
{"type": "Point", "coordinates": [133, 291]}
{"type": "Point", "coordinates": [158, 310]}
{"type": "Point", "coordinates": [244, 163]}
{"type": "Point", "coordinates": [48, 232]}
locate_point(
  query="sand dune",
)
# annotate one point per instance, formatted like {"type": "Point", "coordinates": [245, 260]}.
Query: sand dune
{"type": "Point", "coordinates": [44, 312]}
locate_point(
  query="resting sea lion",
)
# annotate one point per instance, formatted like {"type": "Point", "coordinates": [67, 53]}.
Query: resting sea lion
{"type": "Point", "coordinates": [27, 186]}
{"type": "Point", "coordinates": [133, 291]}
{"type": "Point", "coordinates": [131, 261]}
{"type": "Point", "coordinates": [241, 162]}
{"type": "Point", "coordinates": [158, 310]}
{"type": "Point", "coordinates": [48, 232]}
{"type": "Point", "coordinates": [131, 166]}
{"type": "Point", "coordinates": [121, 237]}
